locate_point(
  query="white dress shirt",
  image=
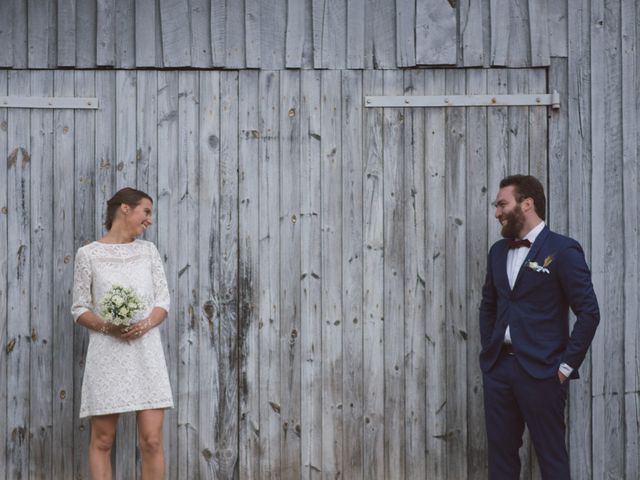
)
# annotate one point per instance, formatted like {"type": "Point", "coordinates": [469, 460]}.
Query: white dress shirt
{"type": "Point", "coordinates": [515, 259]}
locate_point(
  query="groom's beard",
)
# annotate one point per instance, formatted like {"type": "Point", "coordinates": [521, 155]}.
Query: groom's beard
{"type": "Point", "coordinates": [514, 223]}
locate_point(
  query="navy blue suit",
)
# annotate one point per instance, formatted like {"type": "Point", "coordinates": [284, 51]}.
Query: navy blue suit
{"type": "Point", "coordinates": [524, 387]}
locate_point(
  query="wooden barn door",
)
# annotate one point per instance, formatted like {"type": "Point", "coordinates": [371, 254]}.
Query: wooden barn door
{"type": "Point", "coordinates": [324, 260]}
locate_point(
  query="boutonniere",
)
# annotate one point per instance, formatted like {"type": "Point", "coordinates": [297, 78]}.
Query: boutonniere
{"type": "Point", "coordinates": [536, 267]}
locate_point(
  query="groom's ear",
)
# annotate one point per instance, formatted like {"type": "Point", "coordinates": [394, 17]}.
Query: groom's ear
{"type": "Point", "coordinates": [528, 204]}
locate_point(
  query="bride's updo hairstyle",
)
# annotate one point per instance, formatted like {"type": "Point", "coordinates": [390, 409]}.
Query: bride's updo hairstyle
{"type": "Point", "coordinates": [127, 196]}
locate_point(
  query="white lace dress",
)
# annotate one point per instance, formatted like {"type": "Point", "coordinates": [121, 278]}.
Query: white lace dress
{"type": "Point", "coordinates": [122, 376]}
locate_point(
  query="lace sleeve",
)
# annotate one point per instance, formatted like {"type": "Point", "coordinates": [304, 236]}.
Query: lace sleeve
{"type": "Point", "coordinates": [82, 301]}
{"type": "Point", "coordinates": [160, 288]}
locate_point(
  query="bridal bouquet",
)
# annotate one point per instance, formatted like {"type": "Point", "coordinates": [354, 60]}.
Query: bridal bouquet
{"type": "Point", "coordinates": [119, 305]}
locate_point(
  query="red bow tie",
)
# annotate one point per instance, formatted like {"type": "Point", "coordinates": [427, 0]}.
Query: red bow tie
{"type": "Point", "coordinates": [519, 243]}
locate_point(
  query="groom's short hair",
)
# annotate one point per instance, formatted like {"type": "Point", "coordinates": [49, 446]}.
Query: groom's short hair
{"type": "Point", "coordinates": [527, 186]}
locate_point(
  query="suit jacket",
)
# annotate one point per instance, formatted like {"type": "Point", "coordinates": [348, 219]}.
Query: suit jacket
{"type": "Point", "coordinates": [537, 309]}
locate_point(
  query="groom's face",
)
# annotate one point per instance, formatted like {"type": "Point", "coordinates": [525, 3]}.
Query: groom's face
{"type": "Point", "coordinates": [509, 213]}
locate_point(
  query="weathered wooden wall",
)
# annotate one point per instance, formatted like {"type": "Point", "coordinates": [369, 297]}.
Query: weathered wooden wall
{"type": "Point", "coordinates": [276, 34]}
{"type": "Point", "coordinates": [316, 212]}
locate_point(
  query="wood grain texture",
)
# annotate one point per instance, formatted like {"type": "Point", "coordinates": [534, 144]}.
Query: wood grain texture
{"type": "Point", "coordinates": [471, 33]}
{"type": "Point", "coordinates": [455, 266]}
{"type": "Point", "coordinates": [539, 32]}
{"type": "Point", "coordinates": [105, 33]}
{"type": "Point", "coordinates": [19, 252]}
{"type": "Point", "coordinates": [290, 268]}
{"type": "Point", "coordinates": [436, 33]}
{"type": "Point", "coordinates": [415, 305]}
{"type": "Point", "coordinates": [310, 284]}
{"type": "Point", "coordinates": [41, 236]}
{"type": "Point", "coordinates": [209, 266]}
{"type": "Point", "coordinates": [201, 33]}
{"type": "Point", "coordinates": [273, 24]}
{"type": "Point", "coordinates": [85, 34]}
{"type": "Point", "coordinates": [331, 276]}
{"type": "Point", "coordinates": [146, 19]}
{"type": "Point", "coordinates": [435, 281]}
{"type": "Point", "coordinates": [6, 34]}
{"type": "Point", "coordinates": [352, 250]}
{"type": "Point", "coordinates": [42, 38]}
{"type": "Point", "coordinates": [235, 35]}
{"type": "Point", "coordinates": [270, 427]}
{"type": "Point", "coordinates": [176, 33]}
{"type": "Point", "coordinates": [125, 32]}
{"type": "Point", "coordinates": [405, 33]}
{"type": "Point", "coordinates": [248, 270]}
{"type": "Point", "coordinates": [394, 315]}
{"type": "Point", "coordinates": [4, 274]}
{"type": "Point", "coordinates": [373, 282]}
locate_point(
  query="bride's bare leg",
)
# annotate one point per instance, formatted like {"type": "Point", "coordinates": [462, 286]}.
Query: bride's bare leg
{"type": "Point", "coordinates": [150, 441]}
{"type": "Point", "coordinates": [103, 432]}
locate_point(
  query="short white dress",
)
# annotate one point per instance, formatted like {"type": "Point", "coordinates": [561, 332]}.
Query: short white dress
{"type": "Point", "coordinates": [122, 375]}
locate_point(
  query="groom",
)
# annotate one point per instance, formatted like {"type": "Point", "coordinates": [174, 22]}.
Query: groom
{"type": "Point", "coordinates": [533, 277]}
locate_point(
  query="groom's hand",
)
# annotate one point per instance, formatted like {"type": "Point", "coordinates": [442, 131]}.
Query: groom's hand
{"type": "Point", "coordinates": [561, 377]}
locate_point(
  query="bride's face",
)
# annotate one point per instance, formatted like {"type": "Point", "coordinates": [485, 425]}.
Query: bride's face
{"type": "Point", "coordinates": [139, 218]}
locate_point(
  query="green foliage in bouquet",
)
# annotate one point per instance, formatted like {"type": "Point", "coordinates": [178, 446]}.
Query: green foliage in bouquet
{"type": "Point", "coordinates": [119, 305]}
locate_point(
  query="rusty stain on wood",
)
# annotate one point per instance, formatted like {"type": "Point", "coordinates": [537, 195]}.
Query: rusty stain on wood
{"type": "Point", "coordinates": [10, 344]}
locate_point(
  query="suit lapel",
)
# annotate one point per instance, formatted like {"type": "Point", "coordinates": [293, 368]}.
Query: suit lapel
{"type": "Point", "coordinates": [501, 270]}
{"type": "Point", "coordinates": [533, 251]}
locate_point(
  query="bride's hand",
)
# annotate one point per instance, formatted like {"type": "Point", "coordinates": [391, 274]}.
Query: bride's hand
{"type": "Point", "coordinates": [136, 330]}
{"type": "Point", "coordinates": [111, 330]}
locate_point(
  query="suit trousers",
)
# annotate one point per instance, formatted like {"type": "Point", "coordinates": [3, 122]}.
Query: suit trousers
{"type": "Point", "coordinates": [513, 398]}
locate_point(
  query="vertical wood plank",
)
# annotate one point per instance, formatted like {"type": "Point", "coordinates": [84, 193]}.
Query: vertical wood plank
{"type": "Point", "coordinates": [273, 23]}
{"type": "Point", "coordinates": [296, 32]}
{"type": "Point", "coordinates": [611, 300]}
{"type": "Point", "coordinates": [146, 14]}
{"type": "Point", "coordinates": [210, 374]}
{"type": "Point", "coordinates": [355, 33]}
{"type": "Point", "coordinates": [227, 421]}
{"type": "Point", "coordinates": [518, 125]}
{"type": "Point", "coordinates": [471, 33]}
{"type": "Point", "coordinates": [125, 23]}
{"type": "Point", "coordinates": [81, 141]}
{"type": "Point", "coordinates": [598, 235]}
{"type": "Point", "coordinates": [167, 213]}
{"type": "Point", "coordinates": [334, 34]}
{"type": "Point", "coordinates": [66, 41]}
{"type": "Point", "coordinates": [248, 273]}
{"type": "Point", "coordinates": [235, 35]}
{"type": "Point", "coordinates": [20, 34]}
{"type": "Point", "coordinates": [218, 22]}
{"type": "Point", "coordinates": [105, 33]}
{"type": "Point", "coordinates": [558, 192]}
{"type": "Point", "coordinates": [435, 281]}
{"type": "Point", "coordinates": [631, 214]}
{"type": "Point", "coordinates": [500, 32]}
{"type": "Point", "coordinates": [41, 301]}
{"type": "Point", "coordinates": [519, 35]}
{"type": "Point", "coordinates": [317, 21]}
{"type": "Point", "coordinates": [176, 33]}
{"type": "Point", "coordinates": [4, 273]}
{"type": "Point", "coordinates": [476, 254]}
{"type": "Point", "coordinates": [414, 280]}
{"type": "Point", "coordinates": [19, 273]}
{"type": "Point", "coordinates": [187, 284]}
{"type": "Point", "coordinates": [436, 33]}
{"type": "Point", "coordinates": [405, 33]}
{"type": "Point", "coordinates": [85, 34]}
{"type": "Point", "coordinates": [269, 281]}
{"type": "Point", "coordinates": [352, 244]}
{"type": "Point", "coordinates": [66, 430]}
{"type": "Point", "coordinates": [539, 32]}
{"type": "Point", "coordinates": [331, 245]}
{"type": "Point", "coordinates": [6, 34]}
{"type": "Point", "coordinates": [252, 22]}
{"type": "Point", "coordinates": [373, 283]}
{"type": "Point", "coordinates": [290, 268]}
{"type": "Point", "coordinates": [455, 265]}
{"type": "Point", "coordinates": [558, 20]}
{"type": "Point", "coordinates": [394, 315]}
{"type": "Point", "coordinates": [40, 38]}
{"type": "Point", "coordinates": [538, 129]}
{"type": "Point", "coordinates": [199, 16]}
{"type": "Point", "coordinates": [310, 285]}
{"type": "Point", "coordinates": [380, 36]}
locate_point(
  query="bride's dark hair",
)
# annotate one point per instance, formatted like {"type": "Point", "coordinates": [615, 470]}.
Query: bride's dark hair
{"type": "Point", "coordinates": [128, 196]}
